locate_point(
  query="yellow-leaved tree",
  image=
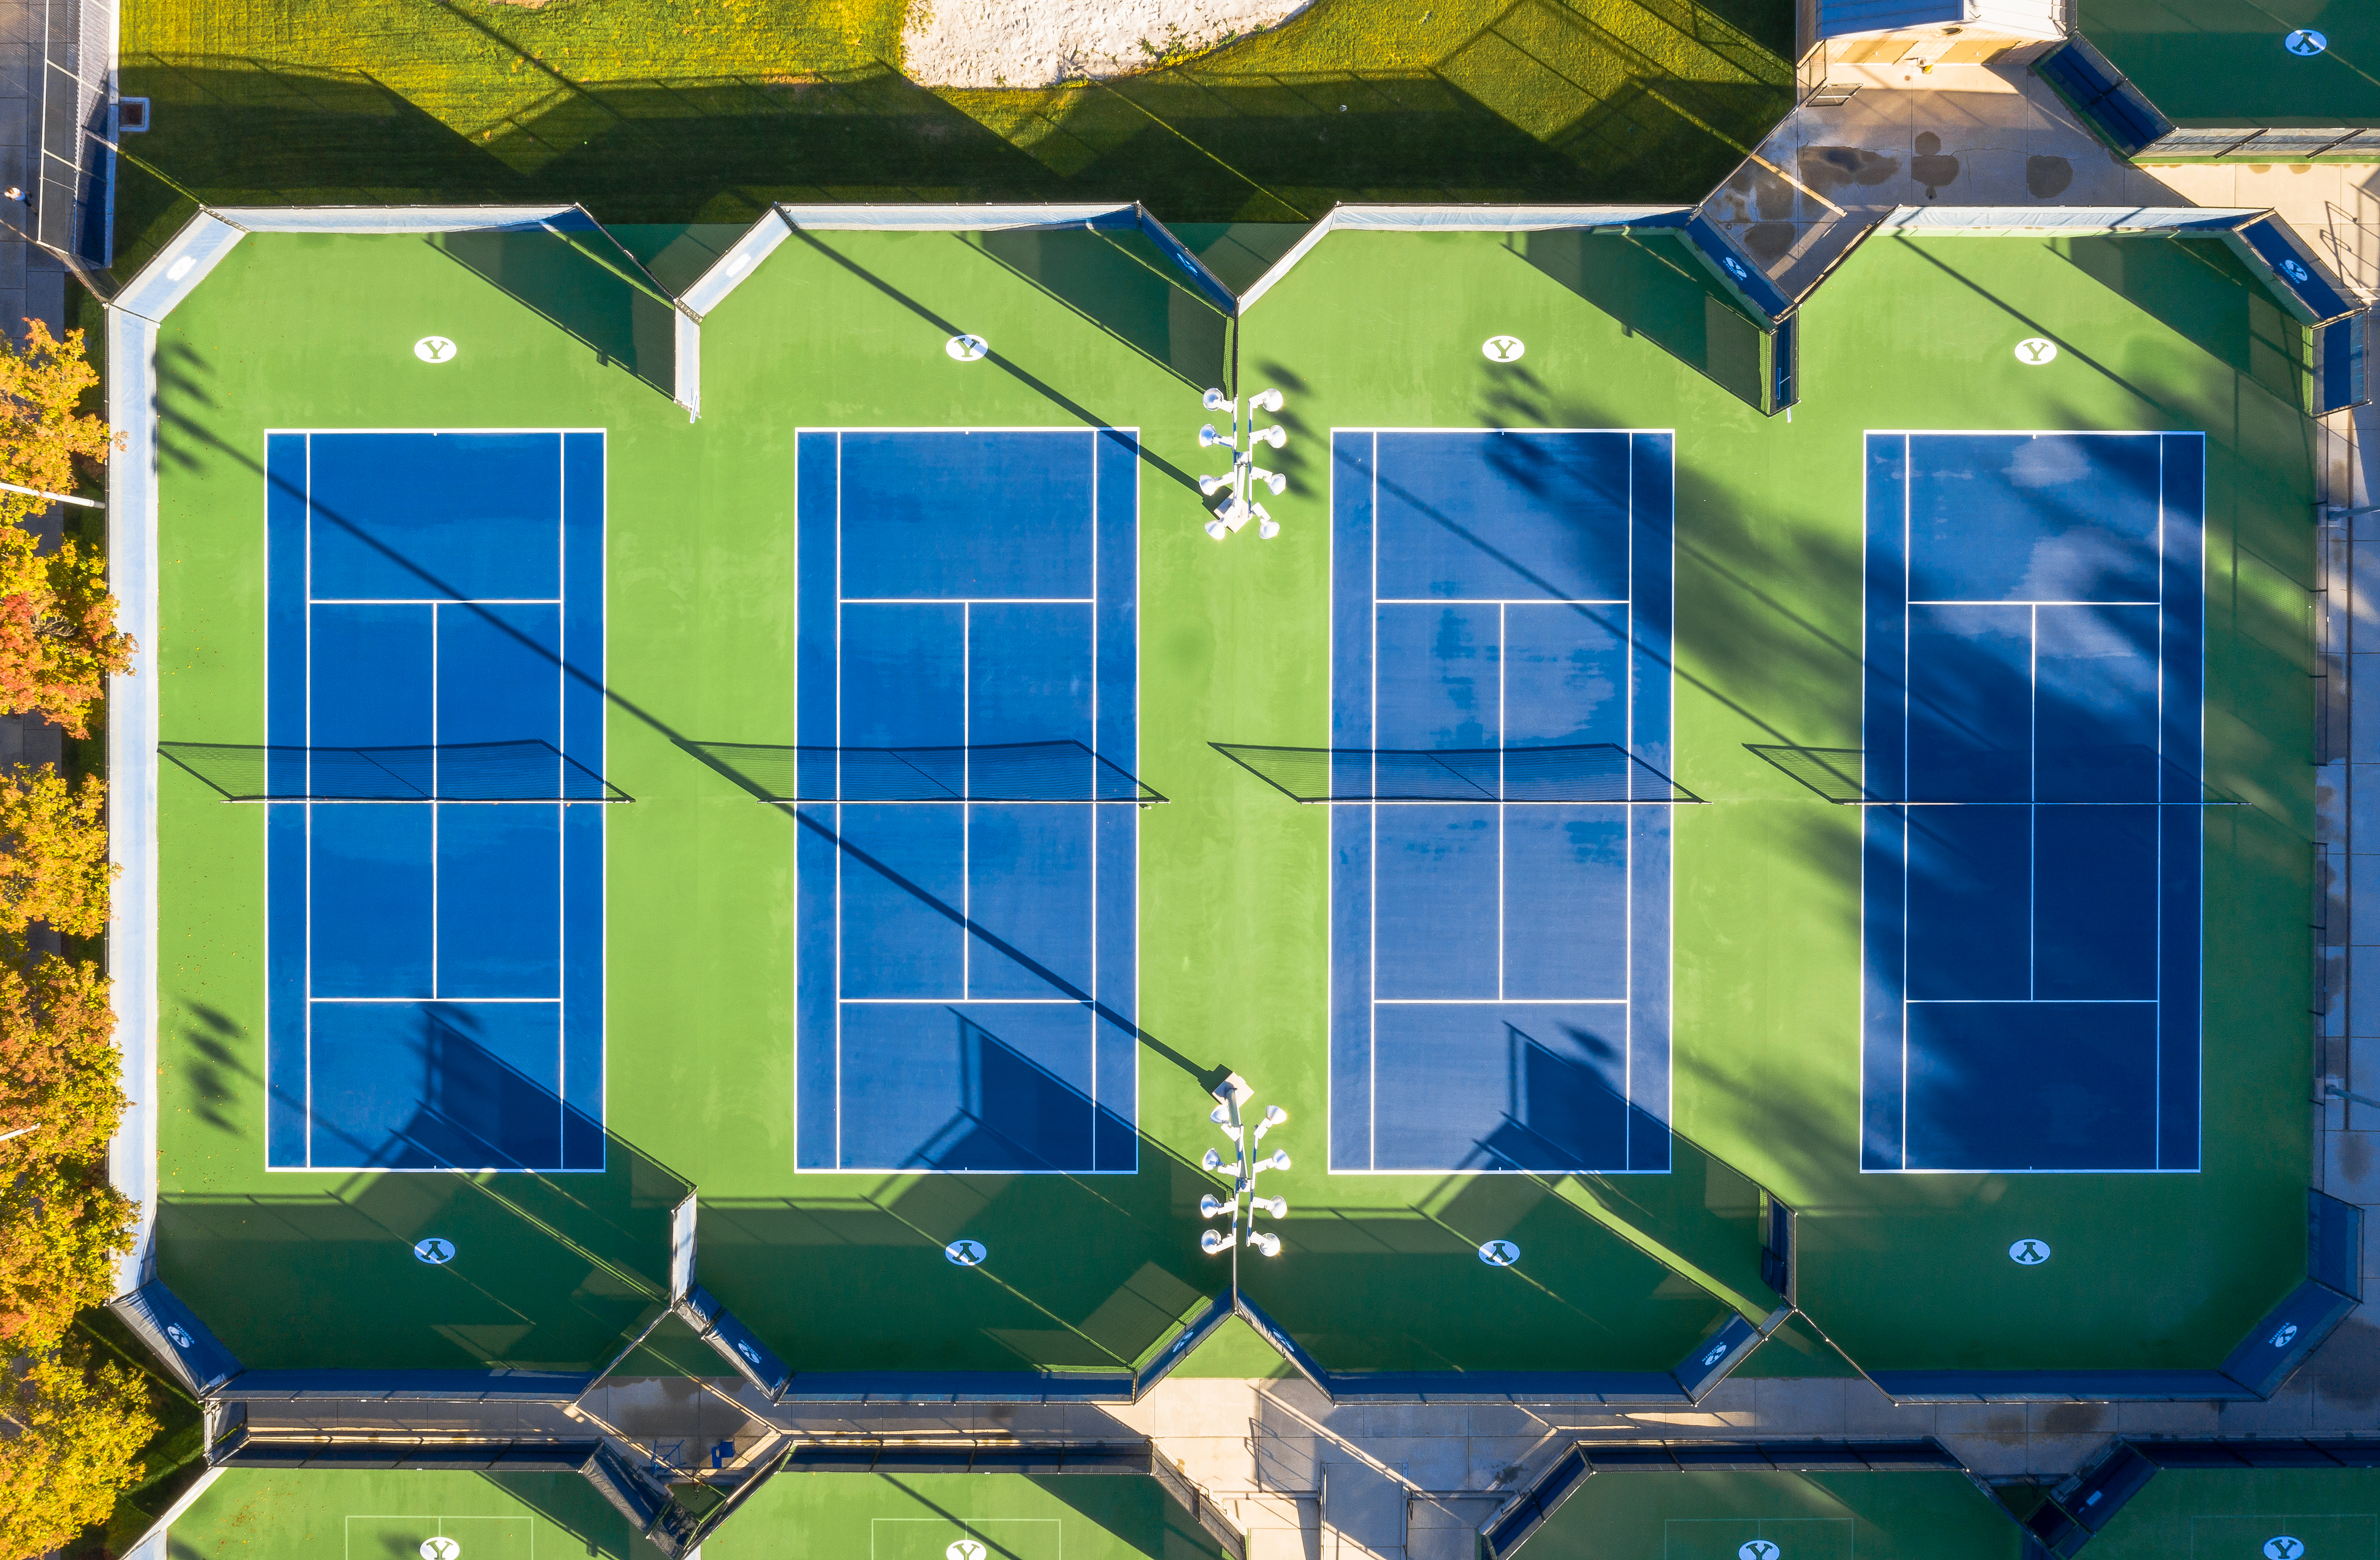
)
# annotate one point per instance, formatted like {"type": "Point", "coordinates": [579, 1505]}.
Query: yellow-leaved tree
{"type": "Point", "coordinates": [71, 1430]}
{"type": "Point", "coordinates": [58, 637]}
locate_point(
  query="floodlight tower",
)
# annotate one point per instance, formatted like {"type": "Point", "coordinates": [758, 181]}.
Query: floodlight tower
{"type": "Point", "coordinates": [1233, 1093]}
{"type": "Point", "coordinates": [1239, 509]}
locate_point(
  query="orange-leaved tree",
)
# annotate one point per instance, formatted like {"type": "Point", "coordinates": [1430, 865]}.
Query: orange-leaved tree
{"type": "Point", "coordinates": [58, 637]}
{"type": "Point", "coordinates": [71, 1434]}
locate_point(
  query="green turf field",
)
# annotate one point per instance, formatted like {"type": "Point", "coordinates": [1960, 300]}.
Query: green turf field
{"type": "Point", "coordinates": [1634, 1515]}
{"type": "Point", "coordinates": [926, 1516]}
{"type": "Point", "coordinates": [257, 1514]}
{"type": "Point", "coordinates": [667, 111]}
{"type": "Point", "coordinates": [2232, 1514]}
{"type": "Point", "coordinates": [844, 1271]}
{"type": "Point", "coordinates": [2221, 63]}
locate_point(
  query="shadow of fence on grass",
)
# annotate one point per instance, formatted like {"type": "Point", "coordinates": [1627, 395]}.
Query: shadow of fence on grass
{"type": "Point", "coordinates": [1506, 116]}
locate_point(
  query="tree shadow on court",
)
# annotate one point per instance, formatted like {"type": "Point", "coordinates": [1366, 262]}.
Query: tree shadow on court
{"type": "Point", "coordinates": [2200, 290]}
{"type": "Point", "coordinates": [1656, 289]}
{"type": "Point", "coordinates": [582, 282]}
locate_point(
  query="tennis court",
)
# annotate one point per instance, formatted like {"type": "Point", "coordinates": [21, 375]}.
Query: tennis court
{"type": "Point", "coordinates": [1500, 971]}
{"type": "Point", "coordinates": [967, 965]}
{"type": "Point", "coordinates": [2031, 889]}
{"type": "Point", "coordinates": [435, 623]}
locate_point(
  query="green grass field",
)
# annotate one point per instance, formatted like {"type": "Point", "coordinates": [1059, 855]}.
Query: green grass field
{"type": "Point", "coordinates": [667, 111]}
{"type": "Point", "coordinates": [1630, 1514]}
{"type": "Point", "coordinates": [844, 1271]}
{"type": "Point", "coordinates": [2220, 1514]}
{"type": "Point", "coordinates": [254, 1513]}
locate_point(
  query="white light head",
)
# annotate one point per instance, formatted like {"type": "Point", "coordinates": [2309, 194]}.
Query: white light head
{"type": "Point", "coordinates": [1213, 1207]}
{"type": "Point", "coordinates": [1265, 400]}
{"type": "Point", "coordinates": [1275, 480]}
{"type": "Point", "coordinates": [1210, 486]}
{"type": "Point", "coordinates": [1275, 435]}
{"type": "Point", "coordinates": [1217, 529]}
{"type": "Point", "coordinates": [1277, 1206]}
{"type": "Point", "coordinates": [1212, 1163]}
{"type": "Point", "coordinates": [1220, 1115]}
{"type": "Point", "coordinates": [1208, 438]}
{"type": "Point", "coordinates": [1268, 1244]}
{"type": "Point", "coordinates": [1214, 400]}
{"type": "Point", "coordinates": [1214, 1242]}
{"type": "Point", "coordinates": [1274, 1116]}
{"type": "Point", "coordinates": [1276, 1160]}
{"type": "Point", "coordinates": [1267, 527]}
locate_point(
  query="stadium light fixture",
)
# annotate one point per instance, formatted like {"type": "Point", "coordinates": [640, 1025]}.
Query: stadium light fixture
{"type": "Point", "coordinates": [1233, 1096]}
{"type": "Point", "coordinates": [1240, 507]}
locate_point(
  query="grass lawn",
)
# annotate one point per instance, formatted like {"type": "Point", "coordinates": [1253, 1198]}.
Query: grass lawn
{"type": "Point", "coordinates": [668, 110]}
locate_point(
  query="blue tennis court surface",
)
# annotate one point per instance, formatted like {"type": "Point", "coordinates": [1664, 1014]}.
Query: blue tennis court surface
{"type": "Point", "coordinates": [435, 967]}
{"type": "Point", "coordinates": [966, 968]}
{"type": "Point", "coordinates": [1499, 973]}
{"type": "Point", "coordinates": [2035, 608]}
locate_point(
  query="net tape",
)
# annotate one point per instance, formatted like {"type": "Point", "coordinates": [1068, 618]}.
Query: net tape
{"type": "Point", "coordinates": [1586, 772]}
{"type": "Point", "coordinates": [517, 771]}
{"type": "Point", "coordinates": [2109, 775]}
{"type": "Point", "coordinates": [997, 772]}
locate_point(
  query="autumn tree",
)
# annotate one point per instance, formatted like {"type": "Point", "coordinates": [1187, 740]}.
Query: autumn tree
{"type": "Point", "coordinates": [60, 1095]}
{"type": "Point", "coordinates": [58, 637]}
{"type": "Point", "coordinates": [71, 1434]}
{"type": "Point", "coordinates": [54, 866]}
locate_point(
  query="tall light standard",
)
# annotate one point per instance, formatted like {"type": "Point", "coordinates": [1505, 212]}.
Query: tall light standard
{"type": "Point", "coordinates": [1239, 509]}
{"type": "Point", "coordinates": [1234, 1093]}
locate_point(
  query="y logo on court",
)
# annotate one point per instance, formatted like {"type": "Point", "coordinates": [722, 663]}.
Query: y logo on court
{"type": "Point", "coordinates": [441, 1549]}
{"type": "Point", "coordinates": [1498, 1253]}
{"type": "Point", "coordinates": [174, 1330]}
{"type": "Point", "coordinates": [2035, 351]}
{"type": "Point", "coordinates": [2287, 1335]}
{"type": "Point", "coordinates": [435, 1249]}
{"type": "Point", "coordinates": [434, 350]}
{"type": "Point", "coordinates": [2029, 1253]}
{"type": "Point", "coordinates": [2305, 43]}
{"type": "Point", "coordinates": [966, 1549]}
{"type": "Point", "coordinates": [1502, 348]}
{"type": "Point", "coordinates": [2283, 1548]}
{"type": "Point", "coordinates": [963, 1253]}
{"type": "Point", "coordinates": [1758, 1549]}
